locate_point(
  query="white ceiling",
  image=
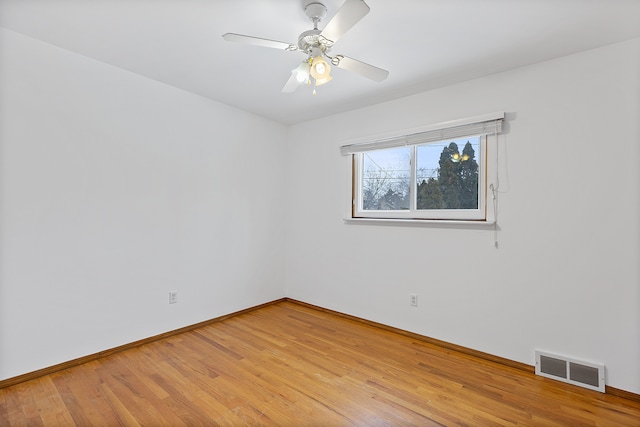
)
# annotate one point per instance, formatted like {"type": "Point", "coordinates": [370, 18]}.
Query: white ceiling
{"type": "Point", "coordinates": [423, 43]}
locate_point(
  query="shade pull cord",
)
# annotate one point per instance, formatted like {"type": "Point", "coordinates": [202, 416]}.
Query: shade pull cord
{"type": "Point", "coordinates": [494, 191]}
{"type": "Point", "coordinates": [495, 213]}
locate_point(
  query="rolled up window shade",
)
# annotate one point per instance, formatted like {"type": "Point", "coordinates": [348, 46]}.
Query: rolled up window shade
{"type": "Point", "coordinates": [488, 124]}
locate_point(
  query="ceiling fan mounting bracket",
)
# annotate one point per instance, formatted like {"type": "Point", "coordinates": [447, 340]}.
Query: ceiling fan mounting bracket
{"type": "Point", "coordinates": [316, 12]}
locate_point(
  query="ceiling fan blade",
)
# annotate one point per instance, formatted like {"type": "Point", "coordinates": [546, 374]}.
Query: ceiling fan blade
{"type": "Point", "coordinates": [359, 67]}
{"type": "Point", "coordinates": [257, 41]}
{"type": "Point", "coordinates": [346, 17]}
{"type": "Point", "coordinates": [291, 85]}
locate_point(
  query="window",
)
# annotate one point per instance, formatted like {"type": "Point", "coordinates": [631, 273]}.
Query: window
{"type": "Point", "coordinates": [433, 174]}
{"type": "Point", "coordinates": [444, 184]}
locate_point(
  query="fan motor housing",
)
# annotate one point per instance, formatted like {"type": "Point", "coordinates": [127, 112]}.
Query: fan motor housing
{"type": "Point", "coordinates": [309, 40]}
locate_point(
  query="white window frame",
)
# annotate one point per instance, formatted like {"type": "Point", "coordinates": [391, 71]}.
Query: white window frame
{"type": "Point", "coordinates": [487, 126]}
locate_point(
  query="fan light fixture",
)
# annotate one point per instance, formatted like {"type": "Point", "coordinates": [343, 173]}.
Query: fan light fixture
{"type": "Point", "coordinates": [301, 72]}
{"type": "Point", "coordinates": [320, 70]}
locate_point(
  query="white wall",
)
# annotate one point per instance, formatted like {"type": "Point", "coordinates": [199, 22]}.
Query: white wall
{"type": "Point", "coordinates": [114, 190]}
{"type": "Point", "coordinates": [566, 275]}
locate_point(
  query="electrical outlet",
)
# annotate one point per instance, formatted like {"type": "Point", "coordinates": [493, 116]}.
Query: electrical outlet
{"type": "Point", "coordinates": [173, 297]}
{"type": "Point", "coordinates": [413, 300]}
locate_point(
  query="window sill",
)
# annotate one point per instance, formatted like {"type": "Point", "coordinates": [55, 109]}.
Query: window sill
{"type": "Point", "coordinates": [421, 222]}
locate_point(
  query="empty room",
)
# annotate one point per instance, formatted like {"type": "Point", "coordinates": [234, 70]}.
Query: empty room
{"type": "Point", "coordinates": [310, 213]}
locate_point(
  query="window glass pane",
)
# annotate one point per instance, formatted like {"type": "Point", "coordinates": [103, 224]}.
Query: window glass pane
{"type": "Point", "coordinates": [386, 178]}
{"type": "Point", "coordinates": [447, 174]}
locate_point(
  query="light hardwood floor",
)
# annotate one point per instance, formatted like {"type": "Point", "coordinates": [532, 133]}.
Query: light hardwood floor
{"type": "Point", "coordinates": [288, 364]}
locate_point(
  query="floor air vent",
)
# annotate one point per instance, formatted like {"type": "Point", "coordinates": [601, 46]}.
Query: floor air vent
{"type": "Point", "coordinates": [572, 371]}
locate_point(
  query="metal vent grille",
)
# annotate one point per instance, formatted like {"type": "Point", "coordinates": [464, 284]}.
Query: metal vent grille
{"type": "Point", "coordinates": [552, 366]}
{"type": "Point", "coordinates": [569, 370]}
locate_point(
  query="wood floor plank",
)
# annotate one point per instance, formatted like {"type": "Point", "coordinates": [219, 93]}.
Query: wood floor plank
{"type": "Point", "coordinates": [78, 398]}
{"type": "Point", "coordinates": [48, 403]}
{"type": "Point", "coordinates": [10, 409]}
{"type": "Point", "coordinates": [290, 364]}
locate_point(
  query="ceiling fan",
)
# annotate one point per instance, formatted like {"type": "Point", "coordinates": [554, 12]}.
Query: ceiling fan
{"type": "Point", "coordinates": [317, 44]}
